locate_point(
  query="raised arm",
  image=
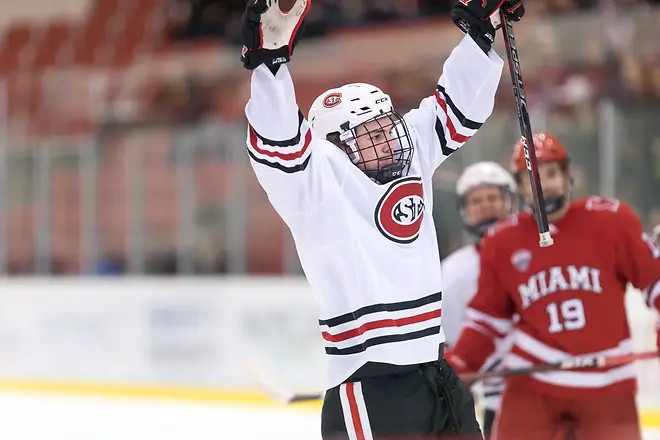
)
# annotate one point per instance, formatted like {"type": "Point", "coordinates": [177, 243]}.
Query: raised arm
{"type": "Point", "coordinates": [465, 95]}
{"type": "Point", "coordinates": [638, 254]}
{"type": "Point", "coordinates": [279, 139]}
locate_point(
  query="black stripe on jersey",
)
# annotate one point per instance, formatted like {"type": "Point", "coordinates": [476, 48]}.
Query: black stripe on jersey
{"type": "Point", "coordinates": [383, 307]}
{"type": "Point", "coordinates": [286, 143]}
{"type": "Point", "coordinates": [494, 366]}
{"type": "Point", "coordinates": [465, 122]}
{"type": "Point", "coordinates": [650, 291]}
{"type": "Point", "coordinates": [440, 131]}
{"type": "Point", "coordinates": [379, 340]}
{"type": "Point", "coordinates": [279, 166]}
{"type": "Point", "coordinates": [494, 393]}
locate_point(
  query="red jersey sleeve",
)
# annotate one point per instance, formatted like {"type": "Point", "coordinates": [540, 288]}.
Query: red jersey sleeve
{"type": "Point", "coordinates": [488, 318]}
{"type": "Point", "coordinates": [638, 257]}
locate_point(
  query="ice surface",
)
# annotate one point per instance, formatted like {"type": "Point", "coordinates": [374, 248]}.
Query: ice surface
{"type": "Point", "coordinates": [49, 417]}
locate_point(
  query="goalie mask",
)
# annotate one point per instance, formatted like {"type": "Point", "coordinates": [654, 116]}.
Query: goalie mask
{"type": "Point", "coordinates": [360, 119]}
{"type": "Point", "coordinates": [486, 194]}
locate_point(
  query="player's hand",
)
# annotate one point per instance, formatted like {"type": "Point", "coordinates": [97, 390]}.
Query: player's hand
{"type": "Point", "coordinates": [480, 18]}
{"type": "Point", "coordinates": [269, 35]}
{"type": "Point", "coordinates": [513, 9]}
{"type": "Point", "coordinates": [655, 235]}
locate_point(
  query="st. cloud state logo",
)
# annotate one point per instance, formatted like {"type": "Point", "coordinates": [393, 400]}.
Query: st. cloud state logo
{"type": "Point", "coordinates": [400, 211]}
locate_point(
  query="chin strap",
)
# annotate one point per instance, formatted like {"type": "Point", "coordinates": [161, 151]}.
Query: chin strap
{"type": "Point", "coordinates": [480, 229]}
{"type": "Point", "coordinates": [555, 204]}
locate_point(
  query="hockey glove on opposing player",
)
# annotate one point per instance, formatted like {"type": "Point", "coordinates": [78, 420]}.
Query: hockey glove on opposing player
{"type": "Point", "coordinates": [270, 35]}
{"type": "Point", "coordinates": [473, 17]}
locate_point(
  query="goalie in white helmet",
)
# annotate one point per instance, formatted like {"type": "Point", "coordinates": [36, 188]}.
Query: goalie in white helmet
{"type": "Point", "coordinates": [486, 194]}
{"type": "Point", "coordinates": [354, 186]}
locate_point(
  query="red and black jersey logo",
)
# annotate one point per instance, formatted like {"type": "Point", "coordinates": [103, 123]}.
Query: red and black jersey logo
{"type": "Point", "coordinates": [400, 211]}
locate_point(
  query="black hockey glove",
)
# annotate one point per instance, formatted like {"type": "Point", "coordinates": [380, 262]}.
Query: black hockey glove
{"type": "Point", "coordinates": [473, 17]}
{"type": "Point", "coordinates": [269, 35]}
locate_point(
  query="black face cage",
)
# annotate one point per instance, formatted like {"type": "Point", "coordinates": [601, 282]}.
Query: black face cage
{"type": "Point", "coordinates": [385, 151]}
{"type": "Point", "coordinates": [479, 229]}
{"type": "Point", "coordinates": [553, 204]}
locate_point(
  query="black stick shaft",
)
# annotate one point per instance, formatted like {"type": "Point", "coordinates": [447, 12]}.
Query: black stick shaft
{"type": "Point", "coordinates": [545, 238]}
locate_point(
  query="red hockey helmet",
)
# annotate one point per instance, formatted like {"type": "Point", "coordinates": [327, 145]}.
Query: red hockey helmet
{"type": "Point", "coordinates": [548, 149]}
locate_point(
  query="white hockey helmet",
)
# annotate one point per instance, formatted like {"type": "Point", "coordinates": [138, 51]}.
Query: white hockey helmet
{"type": "Point", "coordinates": [484, 174]}
{"type": "Point", "coordinates": [340, 111]}
{"type": "Point", "coordinates": [343, 108]}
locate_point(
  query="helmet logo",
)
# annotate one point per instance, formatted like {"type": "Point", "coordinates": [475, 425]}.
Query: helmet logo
{"type": "Point", "coordinates": [400, 211]}
{"type": "Point", "coordinates": [332, 100]}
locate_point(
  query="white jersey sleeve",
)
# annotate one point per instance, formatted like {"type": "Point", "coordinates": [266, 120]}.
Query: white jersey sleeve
{"type": "Point", "coordinates": [460, 272]}
{"type": "Point", "coordinates": [280, 142]}
{"type": "Point", "coordinates": [463, 100]}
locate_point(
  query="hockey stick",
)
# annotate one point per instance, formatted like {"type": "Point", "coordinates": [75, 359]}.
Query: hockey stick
{"type": "Point", "coordinates": [545, 238]}
{"type": "Point", "coordinates": [284, 396]}
{"type": "Point", "coordinates": [274, 390]}
{"type": "Point", "coordinates": [569, 364]}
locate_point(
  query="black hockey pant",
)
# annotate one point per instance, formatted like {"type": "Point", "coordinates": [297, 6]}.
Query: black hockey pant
{"type": "Point", "coordinates": [420, 402]}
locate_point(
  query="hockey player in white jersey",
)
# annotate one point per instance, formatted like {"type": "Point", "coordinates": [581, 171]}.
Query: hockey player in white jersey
{"type": "Point", "coordinates": [353, 182]}
{"type": "Point", "coordinates": [486, 193]}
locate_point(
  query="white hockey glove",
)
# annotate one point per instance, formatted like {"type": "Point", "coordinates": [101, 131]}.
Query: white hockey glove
{"type": "Point", "coordinates": [270, 35]}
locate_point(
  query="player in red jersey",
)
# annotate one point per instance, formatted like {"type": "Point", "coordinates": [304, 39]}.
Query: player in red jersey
{"type": "Point", "coordinates": [570, 302]}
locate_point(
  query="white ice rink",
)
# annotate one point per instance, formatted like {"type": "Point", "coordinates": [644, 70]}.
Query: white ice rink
{"type": "Point", "coordinates": [46, 417]}
{"type": "Point", "coordinates": [54, 417]}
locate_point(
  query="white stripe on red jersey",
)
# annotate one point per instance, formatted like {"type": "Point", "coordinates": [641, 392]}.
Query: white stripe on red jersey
{"type": "Point", "coordinates": [576, 379]}
{"type": "Point", "coordinates": [528, 351]}
{"type": "Point", "coordinates": [498, 327]}
{"type": "Point", "coordinates": [544, 353]}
